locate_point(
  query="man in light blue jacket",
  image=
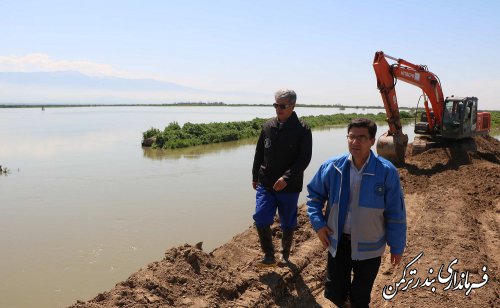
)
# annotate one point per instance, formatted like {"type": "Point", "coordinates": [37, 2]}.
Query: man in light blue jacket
{"type": "Point", "coordinates": [365, 210]}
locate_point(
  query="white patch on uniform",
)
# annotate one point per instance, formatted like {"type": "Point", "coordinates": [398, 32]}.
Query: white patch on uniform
{"type": "Point", "coordinates": [267, 143]}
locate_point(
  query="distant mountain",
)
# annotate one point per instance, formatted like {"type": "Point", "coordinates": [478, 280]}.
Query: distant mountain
{"type": "Point", "coordinates": [72, 78]}
{"type": "Point", "coordinates": [69, 87]}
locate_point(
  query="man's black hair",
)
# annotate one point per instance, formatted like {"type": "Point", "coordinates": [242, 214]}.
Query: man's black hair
{"type": "Point", "coordinates": [363, 122]}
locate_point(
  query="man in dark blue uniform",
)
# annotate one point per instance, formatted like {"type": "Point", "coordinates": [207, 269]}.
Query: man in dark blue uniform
{"type": "Point", "coordinates": [282, 154]}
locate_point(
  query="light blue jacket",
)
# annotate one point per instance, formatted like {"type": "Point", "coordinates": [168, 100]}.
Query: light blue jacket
{"type": "Point", "coordinates": [378, 219]}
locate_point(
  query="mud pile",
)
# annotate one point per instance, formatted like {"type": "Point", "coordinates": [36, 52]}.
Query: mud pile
{"type": "Point", "coordinates": [453, 206]}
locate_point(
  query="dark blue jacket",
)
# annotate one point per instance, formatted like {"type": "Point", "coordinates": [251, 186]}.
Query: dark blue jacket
{"type": "Point", "coordinates": [283, 152]}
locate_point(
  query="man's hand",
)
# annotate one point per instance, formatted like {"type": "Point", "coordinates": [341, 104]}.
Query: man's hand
{"type": "Point", "coordinates": [323, 235]}
{"type": "Point", "coordinates": [254, 185]}
{"type": "Point", "coordinates": [395, 259]}
{"type": "Point", "coordinates": [280, 184]}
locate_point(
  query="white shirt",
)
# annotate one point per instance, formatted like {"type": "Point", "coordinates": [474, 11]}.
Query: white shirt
{"type": "Point", "coordinates": [355, 177]}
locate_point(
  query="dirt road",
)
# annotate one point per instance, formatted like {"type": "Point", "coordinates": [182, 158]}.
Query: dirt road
{"type": "Point", "coordinates": [453, 207]}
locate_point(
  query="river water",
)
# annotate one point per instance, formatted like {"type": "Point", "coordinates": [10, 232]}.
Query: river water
{"type": "Point", "coordinates": [84, 205]}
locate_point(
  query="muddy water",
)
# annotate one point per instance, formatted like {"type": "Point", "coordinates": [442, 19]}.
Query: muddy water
{"type": "Point", "coordinates": [84, 205]}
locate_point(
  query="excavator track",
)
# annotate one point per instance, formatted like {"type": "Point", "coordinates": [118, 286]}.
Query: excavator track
{"type": "Point", "coordinates": [420, 145]}
{"type": "Point", "coordinates": [423, 143]}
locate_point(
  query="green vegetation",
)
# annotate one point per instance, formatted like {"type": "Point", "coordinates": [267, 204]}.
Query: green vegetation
{"type": "Point", "coordinates": [175, 136]}
{"type": "Point", "coordinates": [495, 119]}
{"type": "Point", "coordinates": [336, 119]}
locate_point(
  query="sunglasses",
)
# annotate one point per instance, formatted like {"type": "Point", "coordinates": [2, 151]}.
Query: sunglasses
{"type": "Point", "coordinates": [281, 106]}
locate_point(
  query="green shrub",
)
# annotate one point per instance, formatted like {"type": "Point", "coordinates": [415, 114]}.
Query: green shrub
{"type": "Point", "coordinates": [151, 133]}
{"type": "Point", "coordinates": [190, 134]}
{"type": "Point", "coordinates": [495, 118]}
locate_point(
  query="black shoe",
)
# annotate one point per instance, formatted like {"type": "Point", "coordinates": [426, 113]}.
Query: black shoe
{"type": "Point", "coordinates": [267, 261]}
{"type": "Point", "coordinates": [286, 246]}
{"type": "Point", "coordinates": [266, 243]}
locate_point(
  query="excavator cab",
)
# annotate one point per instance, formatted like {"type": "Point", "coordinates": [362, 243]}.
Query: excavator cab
{"type": "Point", "coordinates": [422, 127]}
{"type": "Point", "coordinates": [459, 117]}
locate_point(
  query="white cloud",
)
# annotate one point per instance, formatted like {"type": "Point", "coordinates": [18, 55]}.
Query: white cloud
{"type": "Point", "coordinates": [37, 62]}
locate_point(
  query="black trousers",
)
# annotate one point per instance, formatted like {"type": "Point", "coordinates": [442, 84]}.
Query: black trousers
{"type": "Point", "coordinates": [338, 285]}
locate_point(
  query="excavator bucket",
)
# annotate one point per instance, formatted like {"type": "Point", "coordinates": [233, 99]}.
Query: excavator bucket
{"type": "Point", "coordinates": [393, 147]}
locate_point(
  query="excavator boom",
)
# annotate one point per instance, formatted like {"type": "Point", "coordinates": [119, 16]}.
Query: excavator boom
{"type": "Point", "coordinates": [392, 144]}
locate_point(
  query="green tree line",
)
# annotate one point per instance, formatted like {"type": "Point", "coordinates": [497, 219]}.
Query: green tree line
{"type": "Point", "coordinates": [175, 136]}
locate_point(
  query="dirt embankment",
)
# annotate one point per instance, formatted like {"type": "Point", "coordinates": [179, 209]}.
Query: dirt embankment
{"type": "Point", "coordinates": [453, 208]}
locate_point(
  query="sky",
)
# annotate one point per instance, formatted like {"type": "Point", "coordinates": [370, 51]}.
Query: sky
{"type": "Point", "coordinates": [321, 49]}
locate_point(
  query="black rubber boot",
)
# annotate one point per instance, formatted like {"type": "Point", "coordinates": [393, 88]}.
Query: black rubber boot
{"type": "Point", "coordinates": [266, 243]}
{"type": "Point", "coordinates": [286, 245]}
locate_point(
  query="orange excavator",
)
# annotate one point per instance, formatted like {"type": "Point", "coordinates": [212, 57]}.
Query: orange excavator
{"type": "Point", "coordinates": [443, 122]}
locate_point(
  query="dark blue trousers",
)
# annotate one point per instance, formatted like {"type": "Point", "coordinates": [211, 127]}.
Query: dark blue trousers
{"type": "Point", "coordinates": [268, 201]}
{"type": "Point", "coordinates": [339, 287]}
